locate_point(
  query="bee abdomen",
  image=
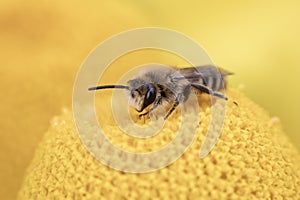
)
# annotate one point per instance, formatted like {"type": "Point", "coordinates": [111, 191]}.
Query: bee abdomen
{"type": "Point", "coordinates": [216, 83]}
{"type": "Point", "coordinates": [213, 77]}
{"type": "Point", "coordinates": [208, 75]}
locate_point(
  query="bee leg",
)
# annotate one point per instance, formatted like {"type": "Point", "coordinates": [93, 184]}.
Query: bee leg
{"type": "Point", "coordinates": [156, 103]}
{"type": "Point", "coordinates": [178, 98]}
{"type": "Point", "coordinates": [208, 91]}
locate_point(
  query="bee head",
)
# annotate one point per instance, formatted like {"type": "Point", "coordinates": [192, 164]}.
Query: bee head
{"type": "Point", "coordinates": [140, 94]}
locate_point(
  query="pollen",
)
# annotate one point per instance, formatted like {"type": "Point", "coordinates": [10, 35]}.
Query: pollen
{"type": "Point", "coordinates": [252, 159]}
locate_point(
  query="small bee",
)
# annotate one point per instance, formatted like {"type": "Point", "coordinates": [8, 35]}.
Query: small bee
{"type": "Point", "coordinates": [171, 85]}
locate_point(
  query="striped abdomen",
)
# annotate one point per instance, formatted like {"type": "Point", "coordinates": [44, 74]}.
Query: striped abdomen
{"type": "Point", "coordinates": [210, 76]}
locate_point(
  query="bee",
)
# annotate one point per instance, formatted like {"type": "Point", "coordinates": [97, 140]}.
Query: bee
{"type": "Point", "coordinates": [171, 85]}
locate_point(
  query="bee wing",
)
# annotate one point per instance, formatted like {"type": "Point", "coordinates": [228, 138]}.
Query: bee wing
{"type": "Point", "coordinates": [207, 75]}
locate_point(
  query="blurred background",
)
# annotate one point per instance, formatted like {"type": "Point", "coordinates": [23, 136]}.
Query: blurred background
{"type": "Point", "coordinates": [43, 44]}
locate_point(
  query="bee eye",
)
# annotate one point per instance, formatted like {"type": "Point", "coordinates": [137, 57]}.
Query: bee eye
{"type": "Point", "coordinates": [150, 96]}
{"type": "Point", "coordinates": [150, 93]}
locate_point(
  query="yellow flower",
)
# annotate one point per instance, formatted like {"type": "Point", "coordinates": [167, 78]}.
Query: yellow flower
{"type": "Point", "coordinates": [252, 159]}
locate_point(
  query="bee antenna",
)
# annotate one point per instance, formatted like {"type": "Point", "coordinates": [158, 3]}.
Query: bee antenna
{"type": "Point", "coordinates": [109, 86]}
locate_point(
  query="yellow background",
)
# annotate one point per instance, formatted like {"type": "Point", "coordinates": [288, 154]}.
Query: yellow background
{"type": "Point", "coordinates": [44, 42]}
